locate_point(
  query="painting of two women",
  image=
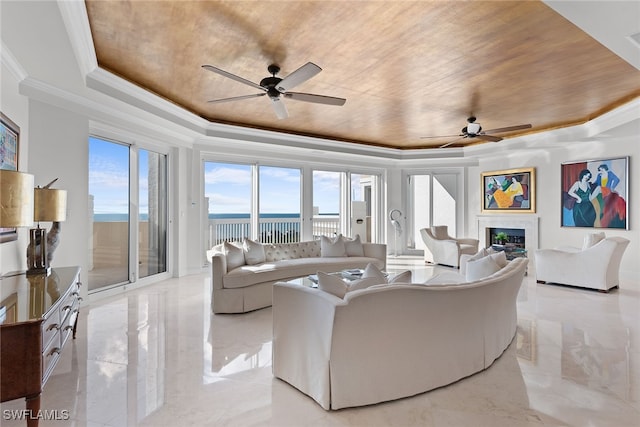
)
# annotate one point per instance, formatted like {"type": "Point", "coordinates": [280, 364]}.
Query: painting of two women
{"type": "Point", "coordinates": [594, 193]}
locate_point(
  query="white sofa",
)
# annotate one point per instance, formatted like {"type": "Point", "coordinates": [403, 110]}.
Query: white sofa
{"type": "Point", "coordinates": [446, 250]}
{"type": "Point", "coordinates": [391, 341]}
{"type": "Point", "coordinates": [593, 266]}
{"type": "Point", "coordinates": [246, 287]}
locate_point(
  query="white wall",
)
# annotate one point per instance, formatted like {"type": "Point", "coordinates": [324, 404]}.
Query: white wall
{"type": "Point", "coordinates": [58, 148]}
{"type": "Point", "coordinates": [13, 254]}
{"type": "Point", "coordinates": [547, 164]}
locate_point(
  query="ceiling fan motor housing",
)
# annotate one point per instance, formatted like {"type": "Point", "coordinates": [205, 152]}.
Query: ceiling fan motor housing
{"type": "Point", "coordinates": [270, 84]}
{"type": "Point", "coordinates": [472, 129]}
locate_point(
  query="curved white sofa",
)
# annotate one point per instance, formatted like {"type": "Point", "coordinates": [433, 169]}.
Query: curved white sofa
{"type": "Point", "coordinates": [249, 287]}
{"type": "Point", "coordinates": [391, 341]}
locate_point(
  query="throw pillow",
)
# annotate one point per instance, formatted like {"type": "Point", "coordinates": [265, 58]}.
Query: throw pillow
{"type": "Point", "coordinates": [481, 268]}
{"type": "Point", "coordinates": [364, 283]}
{"type": "Point", "coordinates": [332, 284]}
{"type": "Point", "coordinates": [372, 271]}
{"type": "Point", "coordinates": [500, 258]}
{"type": "Point", "coordinates": [332, 247]}
{"type": "Point", "coordinates": [404, 277]}
{"type": "Point", "coordinates": [480, 254]}
{"type": "Point", "coordinates": [234, 254]}
{"type": "Point", "coordinates": [253, 252]}
{"type": "Point", "coordinates": [354, 246]}
{"type": "Point", "coordinates": [591, 239]}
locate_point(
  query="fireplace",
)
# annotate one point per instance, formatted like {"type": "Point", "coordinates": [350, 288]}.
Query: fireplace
{"type": "Point", "coordinates": [516, 237]}
{"type": "Point", "coordinates": [522, 229]}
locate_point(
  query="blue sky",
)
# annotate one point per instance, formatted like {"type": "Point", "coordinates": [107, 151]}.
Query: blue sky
{"type": "Point", "coordinates": [109, 177]}
{"type": "Point", "coordinates": [228, 186]}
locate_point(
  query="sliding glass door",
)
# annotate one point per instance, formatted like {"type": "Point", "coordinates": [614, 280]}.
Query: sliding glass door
{"type": "Point", "coordinates": [129, 212]}
{"type": "Point", "coordinates": [109, 182]}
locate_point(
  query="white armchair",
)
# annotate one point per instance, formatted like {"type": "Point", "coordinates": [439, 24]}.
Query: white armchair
{"type": "Point", "coordinates": [594, 267]}
{"type": "Point", "coordinates": [445, 249]}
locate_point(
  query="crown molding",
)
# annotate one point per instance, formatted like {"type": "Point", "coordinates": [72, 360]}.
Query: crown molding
{"type": "Point", "coordinates": [76, 21]}
{"type": "Point", "coordinates": [12, 64]}
{"type": "Point", "coordinates": [98, 111]}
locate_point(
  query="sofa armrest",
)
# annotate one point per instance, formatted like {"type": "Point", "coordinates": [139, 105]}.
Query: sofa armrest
{"type": "Point", "coordinates": [468, 241]}
{"type": "Point", "coordinates": [218, 270]}
{"type": "Point", "coordinates": [302, 333]}
{"type": "Point", "coordinates": [376, 250]}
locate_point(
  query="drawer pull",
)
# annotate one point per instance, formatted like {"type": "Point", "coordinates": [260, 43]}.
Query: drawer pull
{"type": "Point", "coordinates": [68, 328]}
{"type": "Point", "coordinates": [66, 308]}
{"type": "Point", "coordinates": [55, 350]}
{"type": "Point", "coordinates": [75, 294]}
{"type": "Point", "coordinates": [53, 326]}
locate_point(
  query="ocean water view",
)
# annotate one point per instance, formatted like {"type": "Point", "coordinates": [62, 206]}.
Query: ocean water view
{"type": "Point", "coordinates": [123, 217]}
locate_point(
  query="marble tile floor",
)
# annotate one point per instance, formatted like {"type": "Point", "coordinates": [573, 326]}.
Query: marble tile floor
{"type": "Point", "coordinates": [157, 357]}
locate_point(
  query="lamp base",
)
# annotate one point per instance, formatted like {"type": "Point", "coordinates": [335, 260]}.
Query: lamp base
{"type": "Point", "coordinates": [43, 271]}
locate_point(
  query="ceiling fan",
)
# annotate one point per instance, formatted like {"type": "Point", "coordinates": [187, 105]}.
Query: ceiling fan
{"type": "Point", "coordinates": [275, 87]}
{"type": "Point", "coordinates": [474, 130]}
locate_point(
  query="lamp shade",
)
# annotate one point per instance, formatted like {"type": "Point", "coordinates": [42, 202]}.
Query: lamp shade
{"type": "Point", "coordinates": [16, 199]}
{"type": "Point", "coordinates": [50, 205]}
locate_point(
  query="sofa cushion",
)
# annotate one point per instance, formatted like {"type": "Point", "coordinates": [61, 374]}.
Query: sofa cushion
{"type": "Point", "coordinates": [481, 268]}
{"type": "Point", "coordinates": [354, 246]}
{"type": "Point", "coordinates": [332, 247]}
{"type": "Point", "coordinates": [332, 284]}
{"type": "Point", "coordinates": [282, 251]}
{"type": "Point", "coordinates": [248, 275]}
{"type": "Point", "coordinates": [253, 252]}
{"type": "Point", "coordinates": [234, 254]}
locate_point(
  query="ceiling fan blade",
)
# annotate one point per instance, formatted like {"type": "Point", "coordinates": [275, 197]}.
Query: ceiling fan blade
{"type": "Point", "coordinates": [279, 108]}
{"type": "Point", "coordinates": [300, 75]}
{"type": "Point", "coordinates": [441, 136]}
{"type": "Point", "coordinates": [236, 98]}
{"type": "Point", "coordinates": [489, 137]}
{"type": "Point", "coordinates": [508, 129]}
{"type": "Point", "coordinates": [318, 99]}
{"type": "Point", "coordinates": [451, 143]}
{"type": "Point", "coordinates": [233, 77]}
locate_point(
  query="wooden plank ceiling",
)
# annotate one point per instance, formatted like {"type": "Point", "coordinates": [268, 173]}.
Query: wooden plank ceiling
{"type": "Point", "coordinates": [407, 69]}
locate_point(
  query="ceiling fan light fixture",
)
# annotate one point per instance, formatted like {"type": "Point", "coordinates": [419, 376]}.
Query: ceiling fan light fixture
{"type": "Point", "coordinates": [473, 128]}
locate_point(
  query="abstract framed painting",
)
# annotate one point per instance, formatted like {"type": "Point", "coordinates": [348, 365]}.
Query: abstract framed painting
{"type": "Point", "coordinates": [509, 191]}
{"type": "Point", "coordinates": [9, 146]}
{"type": "Point", "coordinates": [595, 193]}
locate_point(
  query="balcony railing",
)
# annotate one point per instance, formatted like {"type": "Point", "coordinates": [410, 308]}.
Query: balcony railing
{"type": "Point", "coordinates": [272, 230]}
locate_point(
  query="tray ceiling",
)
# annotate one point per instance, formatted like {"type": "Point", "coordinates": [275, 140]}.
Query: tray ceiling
{"type": "Point", "coordinates": [407, 69]}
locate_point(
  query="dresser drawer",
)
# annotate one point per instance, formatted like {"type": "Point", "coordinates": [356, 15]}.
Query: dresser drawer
{"type": "Point", "coordinates": [50, 355]}
{"type": "Point", "coordinates": [50, 328]}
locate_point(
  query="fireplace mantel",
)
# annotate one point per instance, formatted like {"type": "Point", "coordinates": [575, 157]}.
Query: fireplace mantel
{"type": "Point", "coordinates": [523, 221]}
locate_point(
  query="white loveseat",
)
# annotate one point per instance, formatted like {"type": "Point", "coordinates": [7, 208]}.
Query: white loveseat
{"type": "Point", "coordinates": [596, 265]}
{"type": "Point", "coordinates": [391, 341]}
{"type": "Point", "coordinates": [244, 285]}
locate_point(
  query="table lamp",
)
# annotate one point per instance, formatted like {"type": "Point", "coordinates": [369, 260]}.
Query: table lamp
{"type": "Point", "coordinates": [16, 199]}
{"type": "Point", "coordinates": [49, 205]}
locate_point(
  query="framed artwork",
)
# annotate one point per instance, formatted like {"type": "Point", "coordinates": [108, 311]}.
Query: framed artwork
{"type": "Point", "coordinates": [9, 146]}
{"type": "Point", "coordinates": [595, 193]}
{"type": "Point", "coordinates": [509, 191]}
